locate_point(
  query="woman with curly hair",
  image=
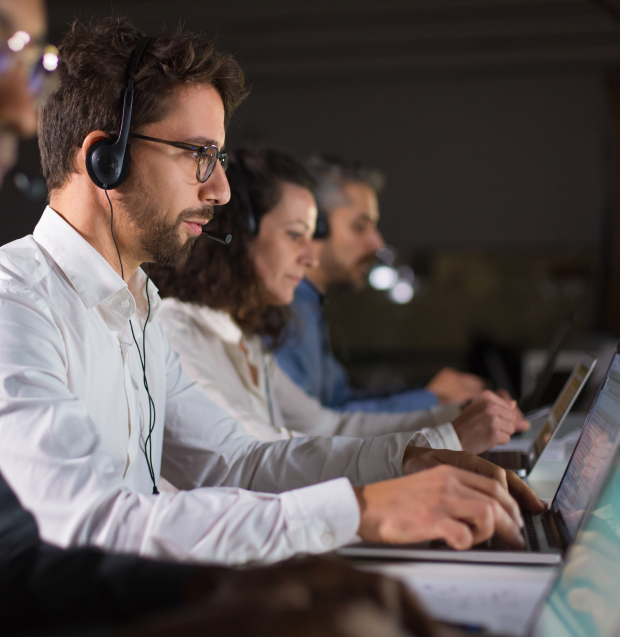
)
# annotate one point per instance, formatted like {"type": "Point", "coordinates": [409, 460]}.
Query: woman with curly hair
{"type": "Point", "coordinates": [226, 310]}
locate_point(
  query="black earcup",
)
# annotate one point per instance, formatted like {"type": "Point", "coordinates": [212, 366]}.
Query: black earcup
{"type": "Point", "coordinates": [102, 166]}
{"type": "Point", "coordinates": [322, 226]}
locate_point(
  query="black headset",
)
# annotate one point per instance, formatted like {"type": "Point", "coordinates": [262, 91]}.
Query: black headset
{"type": "Point", "coordinates": [322, 225]}
{"type": "Point", "coordinates": [107, 164]}
{"type": "Point", "coordinates": [251, 221]}
{"type": "Point", "coordinates": [107, 161]}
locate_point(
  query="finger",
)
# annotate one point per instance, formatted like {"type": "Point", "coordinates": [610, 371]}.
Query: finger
{"type": "Point", "coordinates": [503, 394]}
{"type": "Point", "coordinates": [495, 487]}
{"type": "Point", "coordinates": [456, 532]}
{"type": "Point", "coordinates": [524, 494]}
{"type": "Point", "coordinates": [523, 425]}
{"type": "Point", "coordinates": [485, 516]}
{"type": "Point", "coordinates": [476, 464]}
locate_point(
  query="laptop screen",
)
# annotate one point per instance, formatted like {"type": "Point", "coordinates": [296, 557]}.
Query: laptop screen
{"type": "Point", "coordinates": [592, 452]}
{"type": "Point", "coordinates": [584, 599]}
{"type": "Point", "coordinates": [564, 401]}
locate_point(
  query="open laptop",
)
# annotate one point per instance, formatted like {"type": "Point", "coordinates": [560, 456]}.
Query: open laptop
{"type": "Point", "coordinates": [533, 400]}
{"type": "Point", "coordinates": [579, 600]}
{"type": "Point", "coordinates": [547, 535]}
{"type": "Point", "coordinates": [522, 461]}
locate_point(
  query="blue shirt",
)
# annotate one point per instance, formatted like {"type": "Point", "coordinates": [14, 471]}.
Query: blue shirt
{"type": "Point", "coordinates": [307, 357]}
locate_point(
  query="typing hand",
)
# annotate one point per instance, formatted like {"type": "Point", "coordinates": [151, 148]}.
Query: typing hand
{"type": "Point", "coordinates": [421, 458]}
{"type": "Point", "coordinates": [488, 420]}
{"type": "Point", "coordinates": [444, 502]}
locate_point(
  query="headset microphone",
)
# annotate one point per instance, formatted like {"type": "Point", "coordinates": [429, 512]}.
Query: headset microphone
{"type": "Point", "coordinates": [221, 237]}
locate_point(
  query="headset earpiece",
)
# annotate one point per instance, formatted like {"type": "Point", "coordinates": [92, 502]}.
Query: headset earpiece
{"type": "Point", "coordinates": [250, 220]}
{"type": "Point", "coordinates": [107, 161]}
{"type": "Point", "coordinates": [322, 225]}
{"type": "Point", "coordinates": [102, 164]}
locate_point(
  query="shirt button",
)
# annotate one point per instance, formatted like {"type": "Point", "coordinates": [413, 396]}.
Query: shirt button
{"type": "Point", "coordinates": [328, 537]}
{"type": "Point", "coordinates": [125, 304]}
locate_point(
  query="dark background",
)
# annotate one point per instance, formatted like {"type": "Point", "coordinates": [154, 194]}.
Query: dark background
{"type": "Point", "coordinates": [495, 122]}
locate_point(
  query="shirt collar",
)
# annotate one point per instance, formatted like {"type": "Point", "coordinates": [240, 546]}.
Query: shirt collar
{"type": "Point", "coordinates": [218, 321]}
{"type": "Point", "coordinates": [92, 277]}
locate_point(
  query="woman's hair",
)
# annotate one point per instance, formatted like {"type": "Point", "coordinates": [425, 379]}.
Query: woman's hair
{"type": "Point", "coordinates": [223, 276]}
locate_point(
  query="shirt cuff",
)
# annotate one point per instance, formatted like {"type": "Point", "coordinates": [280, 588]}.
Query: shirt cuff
{"type": "Point", "coordinates": [442, 437]}
{"type": "Point", "coordinates": [442, 414]}
{"type": "Point", "coordinates": [321, 517]}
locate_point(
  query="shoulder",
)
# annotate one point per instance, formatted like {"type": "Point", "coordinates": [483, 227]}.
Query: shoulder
{"type": "Point", "coordinates": [23, 263]}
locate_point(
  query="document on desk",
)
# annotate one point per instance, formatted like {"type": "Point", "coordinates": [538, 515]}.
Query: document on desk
{"type": "Point", "coordinates": [499, 605]}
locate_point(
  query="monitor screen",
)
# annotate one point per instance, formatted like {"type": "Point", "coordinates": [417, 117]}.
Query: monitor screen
{"type": "Point", "coordinates": [584, 599]}
{"type": "Point", "coordinates": [592, 452]}
{"type": "Point", "coordinates": [564, 401]}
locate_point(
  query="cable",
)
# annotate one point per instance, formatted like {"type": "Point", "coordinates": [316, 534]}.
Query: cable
{"type": "Point", "coordinates": [148, 443]}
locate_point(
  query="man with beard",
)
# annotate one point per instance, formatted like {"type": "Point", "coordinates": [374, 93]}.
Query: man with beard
{"type": "Point", "coordinates": [94, 405]}
{"type": "Point", "coordinates": [346, 194]}
{"type": "Point", "coordinates": [43, 587]}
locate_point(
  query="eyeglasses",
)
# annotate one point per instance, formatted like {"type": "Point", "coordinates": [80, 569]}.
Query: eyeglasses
{"type": "Point", "coordinates": [39, 61]}
{"type": "Point", "coordinates": [206, 156]}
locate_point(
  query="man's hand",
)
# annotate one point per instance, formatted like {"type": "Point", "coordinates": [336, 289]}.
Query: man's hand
{"type": "Point", "coordinates": [421, 458]}
{"type": "Point", "coordinates": [445, 502]}
{"type": "Point", "coordinates": [489, 420]}
{"type": "Point", "coordinates": [451, 386]}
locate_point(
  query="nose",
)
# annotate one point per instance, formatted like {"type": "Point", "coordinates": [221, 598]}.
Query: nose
{"type": "Point", "coordinates": [308, 256]}
{"type": "Point", "coordinates": [216, 189]}
{"type": "Point", "coordinates": [18, 108]}
{"type": "Point", "coordinates": [376, 240]}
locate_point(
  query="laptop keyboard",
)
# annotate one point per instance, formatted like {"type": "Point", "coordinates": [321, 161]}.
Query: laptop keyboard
{"type": "Point", "coordinates": [497, 543]}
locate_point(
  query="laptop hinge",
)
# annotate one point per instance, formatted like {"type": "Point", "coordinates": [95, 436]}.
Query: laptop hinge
{"type": "Point", "coordinates": [551, 531]}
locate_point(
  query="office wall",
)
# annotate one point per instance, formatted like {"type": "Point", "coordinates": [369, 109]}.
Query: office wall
{"type": "Point", "coordinates": [471, 160]}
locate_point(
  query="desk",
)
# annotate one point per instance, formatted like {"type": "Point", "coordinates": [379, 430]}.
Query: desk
{"type": "Point", "coordinates": [501, 598]}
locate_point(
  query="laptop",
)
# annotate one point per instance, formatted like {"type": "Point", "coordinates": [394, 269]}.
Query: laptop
{"type": "Point", "coordinates": [533, 400]}
{"type": "Point", "coordinates": [547, 535]}
{"type": "Point", "coordinates": [583, 601]}
{"type": "Point", "coordinates": [579, 600]}
{"type": "Point", "coordinates": [522, 461]}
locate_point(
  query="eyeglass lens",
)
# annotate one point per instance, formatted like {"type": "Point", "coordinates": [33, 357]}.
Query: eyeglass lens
{"type": "Point", "coordinates": [208, 163]}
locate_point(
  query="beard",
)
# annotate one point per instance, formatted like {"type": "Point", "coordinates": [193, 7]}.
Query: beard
{"type": "Point", "coordinates": [160, 237]}
{"type": "Point", "coordinates": [348, 275]}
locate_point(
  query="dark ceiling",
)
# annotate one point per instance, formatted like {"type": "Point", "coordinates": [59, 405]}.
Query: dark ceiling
{"type": "Point", "coordinates": [285, 41]}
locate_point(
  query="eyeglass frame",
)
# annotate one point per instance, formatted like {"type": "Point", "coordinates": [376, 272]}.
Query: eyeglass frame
{"type": "Point", "coordinates": [221, 157]}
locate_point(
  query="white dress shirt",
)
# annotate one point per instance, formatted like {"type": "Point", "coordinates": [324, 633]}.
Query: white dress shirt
{"type": "Point", "coordinates": [74, 418]}
{"type": "Point", "coordinates": [209, 343]}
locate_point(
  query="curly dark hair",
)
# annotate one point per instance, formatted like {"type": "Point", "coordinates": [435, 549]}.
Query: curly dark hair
{"type": "Point", "coordinates": [93, 71]}
{"type": "Point", "coordinates": [223, 276]}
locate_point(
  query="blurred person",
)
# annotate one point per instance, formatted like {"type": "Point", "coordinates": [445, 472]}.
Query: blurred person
{"type": "Point", "coordinates": [346, 195]}
{"type": "Point", "coordinates": [94, 404]}
{"type": "Point", "coordinates": [45, 588]}
{"type": "Point", "coordinates": [224, 298]}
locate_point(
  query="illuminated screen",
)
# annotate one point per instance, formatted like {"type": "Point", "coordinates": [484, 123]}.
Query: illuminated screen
{"type": "Point", "coordinates": [584, 601]}
{"type": "Point", "coordinates": [589, 459]}
{"type": "Point", "coordinates": [561, 406]}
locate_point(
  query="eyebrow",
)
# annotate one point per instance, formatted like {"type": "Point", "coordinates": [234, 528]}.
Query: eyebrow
{"type": "Point", "coordinates": [298, 222]}
{"type": "Point", "coordinates": [203, 141]}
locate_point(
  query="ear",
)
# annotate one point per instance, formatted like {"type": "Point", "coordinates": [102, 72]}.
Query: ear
{"type": "Point", "coordinates": [90, 139]}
